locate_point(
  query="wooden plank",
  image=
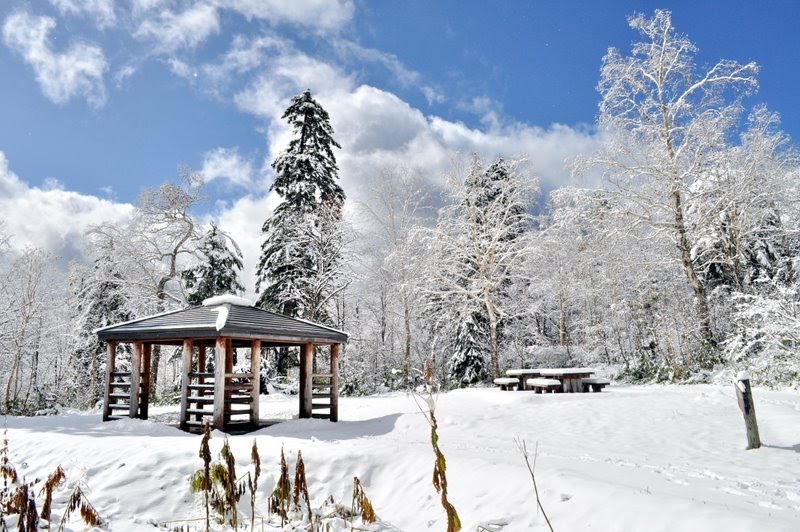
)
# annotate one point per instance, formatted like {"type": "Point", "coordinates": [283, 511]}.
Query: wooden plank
{"type": "Point", "coordinates": [306, 364]}
{"type": "Point", "coordinates": [335, 382]}
{"type": "Point", "coordinates": [744, 396]}
{"type": "Point", "coordinates": [111, 360]}
{"type": "Point", "coordinates": [255, 369]}
{"type": "Point", "coordinates": [144, 401]}
{"type": "Point", "coordinates": [185, 371]}
{"type": "Point", "coordinates": [220, 355]}
{"type": "Point", "coordinates": [136, 366]}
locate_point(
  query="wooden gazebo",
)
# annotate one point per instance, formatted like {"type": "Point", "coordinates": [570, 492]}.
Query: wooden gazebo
{"type": "Point", "coordinates": [222, 324]}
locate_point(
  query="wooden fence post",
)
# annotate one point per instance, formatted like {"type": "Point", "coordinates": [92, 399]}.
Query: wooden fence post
{"type": "Point", "coordinates": [744, 395]}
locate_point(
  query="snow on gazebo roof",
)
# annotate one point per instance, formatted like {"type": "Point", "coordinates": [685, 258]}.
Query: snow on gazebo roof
{"type": "Point", "coordinates": [228, 316]}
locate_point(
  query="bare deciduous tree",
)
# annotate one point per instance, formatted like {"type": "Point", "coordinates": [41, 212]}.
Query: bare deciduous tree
{"type": "Point", "coordinates": [663, 121]}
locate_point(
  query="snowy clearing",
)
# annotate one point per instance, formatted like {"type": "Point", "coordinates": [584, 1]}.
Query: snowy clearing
{"type": "Point", "coordinates": [631, 458]}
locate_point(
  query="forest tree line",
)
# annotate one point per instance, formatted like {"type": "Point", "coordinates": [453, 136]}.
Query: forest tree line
{"type": "Point", "coordinates": [682, 263]}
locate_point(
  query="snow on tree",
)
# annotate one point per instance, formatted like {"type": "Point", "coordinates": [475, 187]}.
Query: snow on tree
{"type": "Point", "coordinates": [389, 273]}
{"type": "Point", "coordinates": [99, 300]}
{"type": "Point", "coordinates": [152, 250]}
{"type": "Point", "coordinates": [219, 269]}
{"type": "Point", "coordinates": [468, 365]}
{"type": "Point", "coordinates": [480, 246]}
{"type": "Point", "coordinates": [664, 122]}
{"type": "Point", "coordinates": [744, 238]}
{"type": "Point", "coordinates": [306, 182]}
{"type": "Point", "coordinates": [299, 271]}
{"type": "Point", "coordinates": [31, 306]}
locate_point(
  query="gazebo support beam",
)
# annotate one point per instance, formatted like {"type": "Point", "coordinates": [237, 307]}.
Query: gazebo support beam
{"type": "Point", "coordinates": [220, 363]}
{"type": "Point", "coordinates": [335, 382]}
{"type": "Point", "coordinates": [187, 367]}
{"type": "Point", "coordinates": [136, 368]}
{"type": "Point", "coordinates": [111, 362]}
{"type": "Point", "coordinates": [255, 369]}
{"type": "Point", "coordinates": [306, 384]}
{"type": "Point", "coordinates": [144, 398]}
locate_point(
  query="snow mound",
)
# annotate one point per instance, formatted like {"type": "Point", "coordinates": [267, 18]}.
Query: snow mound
{"type": "Point", "coordinates": [229, 299]}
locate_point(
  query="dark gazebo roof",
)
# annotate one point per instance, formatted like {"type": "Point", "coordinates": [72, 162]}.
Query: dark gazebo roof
{"type": "Point", "coordinates": [227, 317]}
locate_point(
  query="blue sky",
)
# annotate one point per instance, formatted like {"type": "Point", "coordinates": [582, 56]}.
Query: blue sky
{"type": "Point", "coordinates": [99, 98]}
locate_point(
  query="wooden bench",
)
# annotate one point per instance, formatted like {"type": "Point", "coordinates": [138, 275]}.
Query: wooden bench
{"type": "Point", "coordinates": [595, 383]}
{"type": "Point", "coordinates": [507, 383]}
{"type": "Point", "coordinates": [543, 385]}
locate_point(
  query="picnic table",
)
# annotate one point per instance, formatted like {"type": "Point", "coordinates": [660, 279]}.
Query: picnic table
{"type": "Point", "coordinates": [523, 375]}
{"type": "Point", "coordinates": [571, 378]}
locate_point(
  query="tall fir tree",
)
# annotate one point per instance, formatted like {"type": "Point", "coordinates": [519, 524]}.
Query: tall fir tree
{"type": "Point", "coordinates": [297, 273]}
{"type": "Point", "coordinates": [480, 249]}
{"type": "Point", "coordinates": [218, 273]}
{"type": "Point", "coordinates": [306, 181]}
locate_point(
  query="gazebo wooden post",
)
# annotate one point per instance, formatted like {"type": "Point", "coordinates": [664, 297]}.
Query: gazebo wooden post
{"type": "Point", "coordinates": [255, 369]}
{"type": "Point", "coordinates": [144, 400]}
{"type": "Point", "coordinates": [220, 363]}
{"type": "Point", "coordinates": [136, 368]}
{"type": "Point", "coordinates": [187, 367]}
{"type": "Point", "coordinates": [201, 368]}
{"type": "Point", "coordinates": [306, 378]}
{"type": "Point", "coordinates": [111, 361]}
{"type": "Point", "coordinates": [334, 382]}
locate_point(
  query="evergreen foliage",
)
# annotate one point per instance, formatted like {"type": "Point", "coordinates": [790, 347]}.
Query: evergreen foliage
{"type": "Point", "coordinates": [479, 251]}
{"type": "Point", "coordinates": [300, 255]}
{"type": "Point", "coordinates": [100, 301]}
{"type": "Point", "coordinates": [470, 350]}
{"type": "Point", "coordinates": [218, 273]}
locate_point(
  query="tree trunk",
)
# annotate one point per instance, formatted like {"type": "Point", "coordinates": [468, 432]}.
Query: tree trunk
{"type": "Point", "coordinates": [699, 290]}
{"type": "Point", "coordinates": [494, 362]}
{"type": "Point", "coordinates": [563, 337]}
{"type": "Point", "coordinates": [407, 325]}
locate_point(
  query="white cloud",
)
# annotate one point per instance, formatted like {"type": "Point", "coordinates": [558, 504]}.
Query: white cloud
{"type": "Point", "coordinates": [404, 75]}
{"type": "Point", "coordinates": [123, 73]}
{"type": "Point", "coordinates": [379, 131]}
{"type": "Point", "coordinates": [226, 163]}
{"type": "Point", "coordinates": [76, 72]}
{"type": "Point", "coordinates": [322, 16]}
{"type": "Point", "coordinates": [433, 95]}
{"type": "Point", "coordinates": [102, 11]}
{"type": "Point", "coordinates": [51, 218]}
{"type": "Point", "coordinates": [172, 31]}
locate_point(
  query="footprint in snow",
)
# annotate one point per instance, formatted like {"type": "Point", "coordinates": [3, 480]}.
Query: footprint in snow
{"type": "Point", "coordinates": [565, 497]}
{"type": "Point", "coordinates": [732, 491]}
{"type": "Point", "coordinates": [769, 504]}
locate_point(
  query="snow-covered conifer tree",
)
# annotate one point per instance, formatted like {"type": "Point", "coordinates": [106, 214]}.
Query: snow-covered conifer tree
{"type": "Point", "coordinates": [306, 181]}
{"type": "Point", "coordinates": [479, 252]}
{"type": "Point", "coordinates": [218, 273]}
{"type": "Point", "coordinates": [298, 272]}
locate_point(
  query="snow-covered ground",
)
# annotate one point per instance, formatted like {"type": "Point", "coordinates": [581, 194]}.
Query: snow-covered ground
{"type": "Point", "coordinates": [631, 458]}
